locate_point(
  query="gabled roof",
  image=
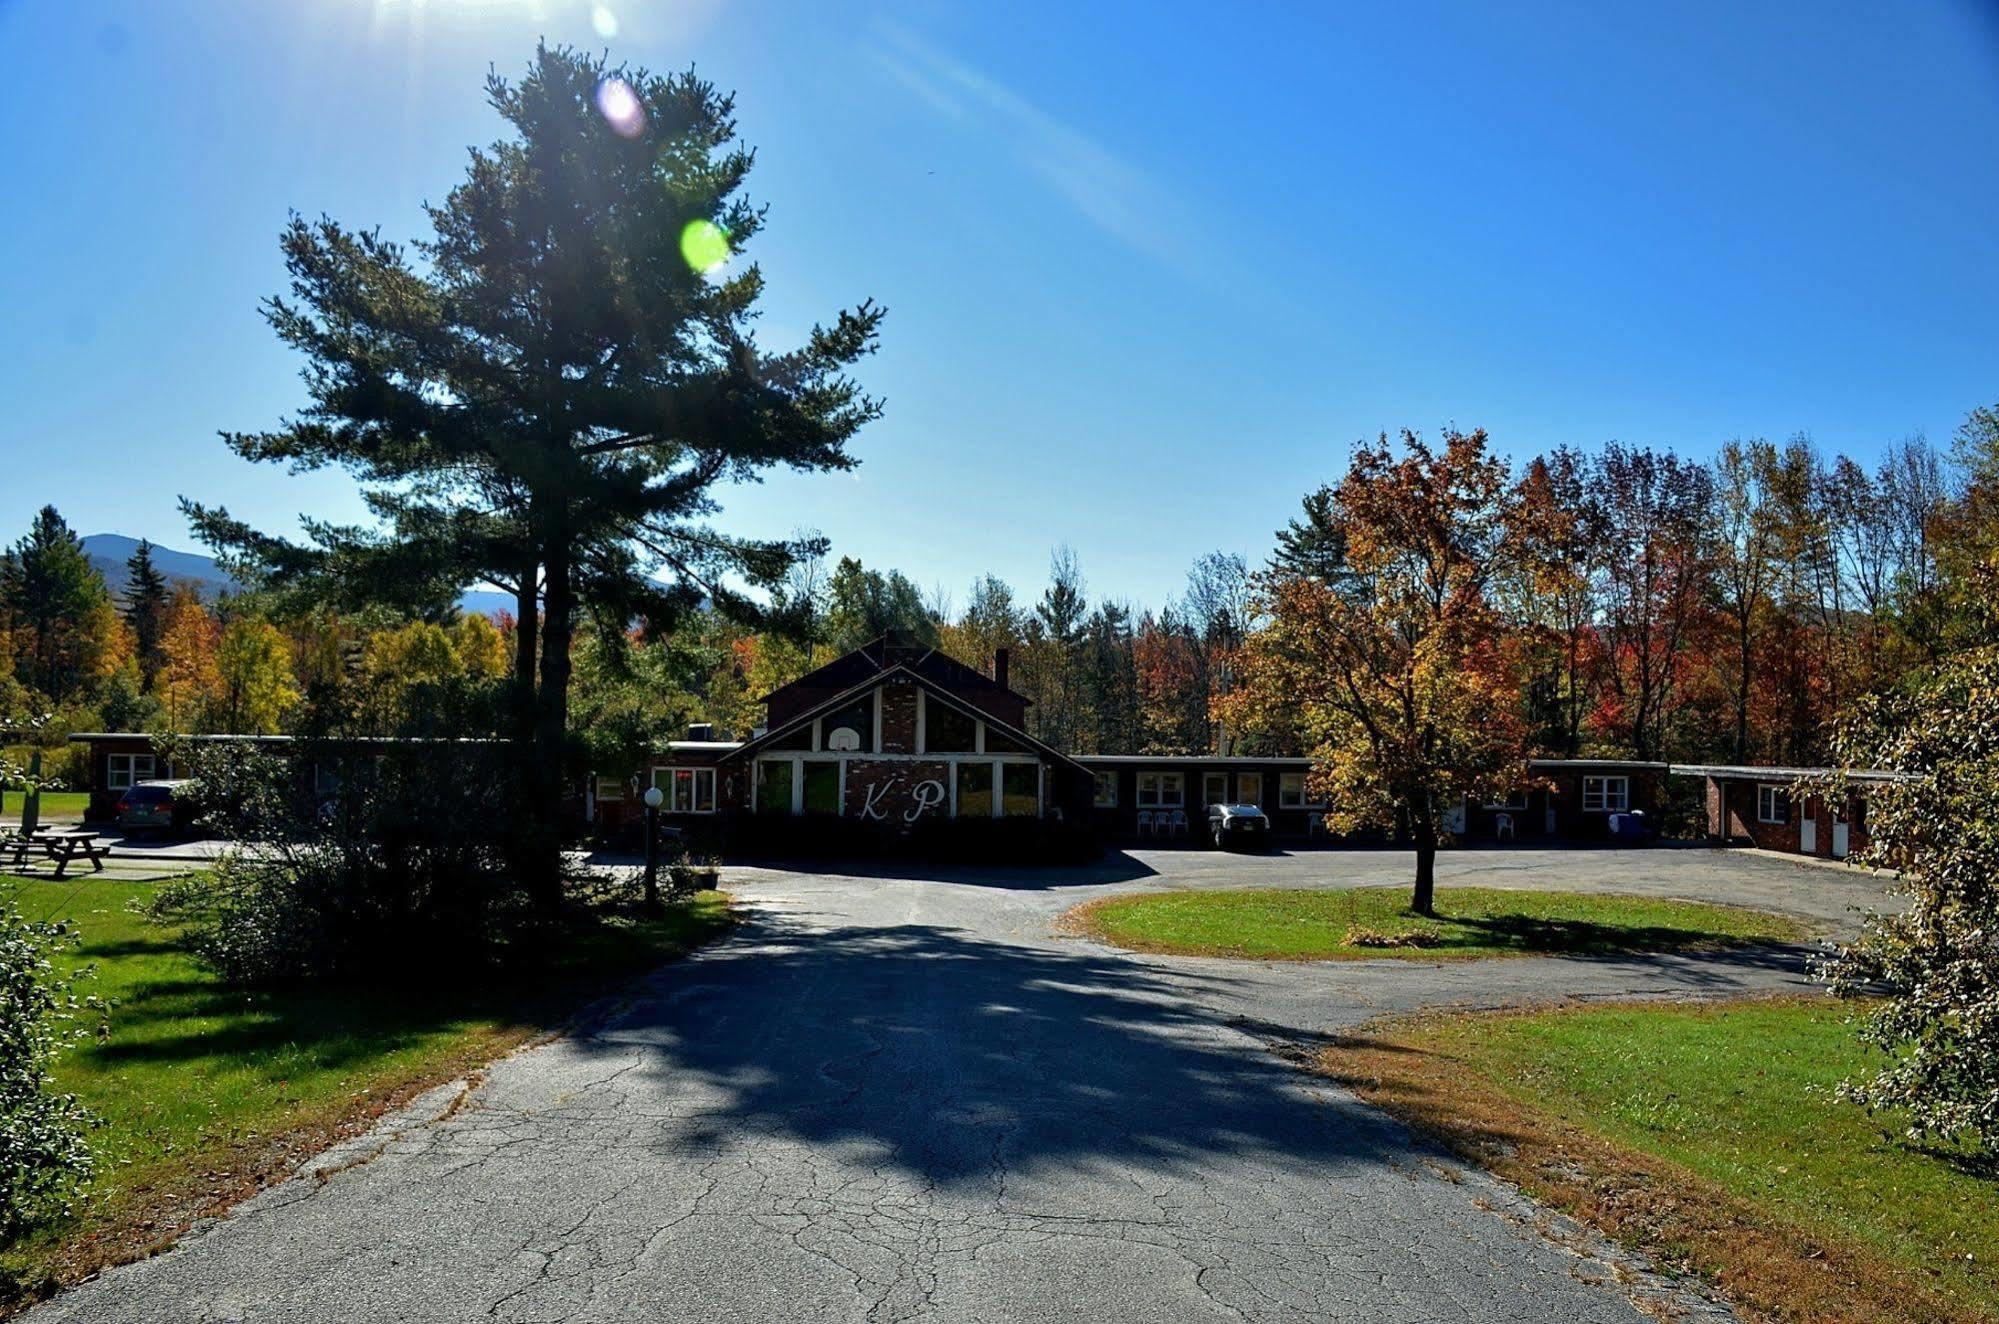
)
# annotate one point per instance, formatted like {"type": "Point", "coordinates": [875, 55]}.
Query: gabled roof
{"type": "Point", "coordinates": [931, 687]}
{"type": "Point", "coordinates": [879, 655]}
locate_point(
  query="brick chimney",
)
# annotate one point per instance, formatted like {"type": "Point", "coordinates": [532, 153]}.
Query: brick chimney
{"type": "Point", "coordinates": [1001, 657]}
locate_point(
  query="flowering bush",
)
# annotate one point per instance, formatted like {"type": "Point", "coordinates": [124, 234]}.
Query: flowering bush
{"type": "Point", "coordinates": [1937, 962]}
{"type": "Point", "coordinates": [44, 1161]}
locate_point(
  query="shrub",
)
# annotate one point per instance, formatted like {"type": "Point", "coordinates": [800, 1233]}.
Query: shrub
{"type": "Point", "coordinates": [352, 859]}
{"type": "Point", "coordinates": [44, 1162]}
{"type": "Point", "coordinates": [1937, 962]}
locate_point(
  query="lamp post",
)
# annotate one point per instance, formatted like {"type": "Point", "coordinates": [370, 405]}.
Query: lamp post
{"type": "Point", "coordinates": [653, 799]}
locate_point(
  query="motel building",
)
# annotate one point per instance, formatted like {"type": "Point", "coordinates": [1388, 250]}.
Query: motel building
{"type": "Point", "coordinates": [894, 733]}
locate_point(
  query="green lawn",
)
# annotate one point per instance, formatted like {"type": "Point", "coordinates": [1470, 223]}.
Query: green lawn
{"type": "Point", "coordinates": [57, 807]}
{"type": "Point", "coordinates": [1741, 1096]}
{"type": "Point", "coordinates": [207, 1088]}
{"type": "Point", "coordinates": [1298, 925]}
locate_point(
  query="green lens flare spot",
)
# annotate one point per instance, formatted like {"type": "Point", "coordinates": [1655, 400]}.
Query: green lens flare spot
{"type": "Point", "coordinates": [704, 244]}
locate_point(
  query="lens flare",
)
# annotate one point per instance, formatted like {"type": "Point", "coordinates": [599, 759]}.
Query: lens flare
{"type": "Point", "coordinates": [604, 21]}
{"type": "Point", "coordinates": [621, 108]}
{"type": "Point", "coordinates": [704, 244]}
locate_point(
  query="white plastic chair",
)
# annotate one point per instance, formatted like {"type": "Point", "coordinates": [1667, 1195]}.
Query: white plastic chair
{"type": "Point", "coordinates": [1502, 827]}
{"type": "Point", "coordinates": [1145, 822]}
{"type": "Point", "coordinates": [1177, 823]}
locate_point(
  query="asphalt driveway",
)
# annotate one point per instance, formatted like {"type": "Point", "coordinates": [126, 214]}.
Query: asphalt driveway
{"type": "Point", "coordinates": [899, 1098]}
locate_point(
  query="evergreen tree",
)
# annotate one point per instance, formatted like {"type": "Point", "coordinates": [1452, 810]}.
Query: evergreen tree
{"type": "Point", "coordinates": [145, 607]}
{"type": "Point", "coordinates": [57, 604]}
{"type": "Point", "coordinates": [543, 394]}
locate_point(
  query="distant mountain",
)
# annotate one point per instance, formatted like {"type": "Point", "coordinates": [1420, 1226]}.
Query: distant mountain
{"type": "Point", "coordinates": [110, 551]}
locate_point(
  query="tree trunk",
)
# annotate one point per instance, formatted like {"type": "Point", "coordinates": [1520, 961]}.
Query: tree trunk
{"type": "Point", "coordinates": [1424, 827]}
{"type": "Point", "coordinates": [551, 725]}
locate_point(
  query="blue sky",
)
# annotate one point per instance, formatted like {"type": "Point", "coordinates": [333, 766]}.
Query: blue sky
{"type": "Point", "coordinates": [1151, 268]}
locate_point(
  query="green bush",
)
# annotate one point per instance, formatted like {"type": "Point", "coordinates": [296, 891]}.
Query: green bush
{"type": "Point", "coordinates": [44, 1162]}
{"type": "Point", "coordinates": [1938, 960]}
{"type": "Point", "coordinates": [384, 861]}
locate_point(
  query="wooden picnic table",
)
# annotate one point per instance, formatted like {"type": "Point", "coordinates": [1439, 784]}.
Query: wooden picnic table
{"type": "Point", "coordinates": [62, 845]}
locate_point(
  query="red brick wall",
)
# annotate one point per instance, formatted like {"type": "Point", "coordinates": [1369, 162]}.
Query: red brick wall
{"type": "Point", "coordinates": [897, 791]}
{"type": "Point", "coordinates": [898, 708]}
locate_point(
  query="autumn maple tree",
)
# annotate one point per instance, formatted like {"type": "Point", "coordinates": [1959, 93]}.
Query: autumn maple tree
{"type": "Point", "coordinates": [1385, 651]}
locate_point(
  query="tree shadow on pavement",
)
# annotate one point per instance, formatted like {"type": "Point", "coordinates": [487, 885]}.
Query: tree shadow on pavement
{"type": "Point", "coordinates": [953, 1058]}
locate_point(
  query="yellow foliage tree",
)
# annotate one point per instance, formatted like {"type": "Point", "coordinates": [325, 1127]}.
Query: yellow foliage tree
{"type": "Point", "coordinates": [481, 648]}
{"type": "Point", "coordinates": [253, 664]}
{"type": "Point", "coordinates": [188, 679]}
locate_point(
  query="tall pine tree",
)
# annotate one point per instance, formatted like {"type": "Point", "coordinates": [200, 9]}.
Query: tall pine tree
{"type": "Point", "coordinates": [544, 393]}
{"type": "Point", "coordinates": [57, 602]}
{"type": "Point", "coordinates": [145, 607]}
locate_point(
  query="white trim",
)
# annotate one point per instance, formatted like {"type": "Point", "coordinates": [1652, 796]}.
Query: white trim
{"type": "Point", "coordinates": [669, 787]}
{"type": "Point", "coordinates": [1240, 797]}
{"type": "Point", "coordinates": [1159, 800]}
{"type": "Point", "coordinates": [1208, 779]}
{"type": "Point", "coordinates": [922, 718]}
{"type": "Point", "coordinates": [130, 770]}
{"type": "Point", "coordinates": [1603, 796]}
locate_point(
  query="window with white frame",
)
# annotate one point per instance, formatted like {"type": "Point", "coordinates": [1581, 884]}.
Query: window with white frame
{"type": "Point", "coordinates": [121, 771]}
{"type": "Point", "coordinates": [1773, 803]}
{"type": "Point", "coordinates": [1107, 790]}
{"type": "Point", "coordinates": [1290, 790]}
{"type": "Point", "coordinates": [688, 790]}
{"type": "Point", "coordinates": [1161, 790]}
{"type": "Point", "coordinates": [1249, 788]}
{"type": "Point", "coordinates": [1606, 795]}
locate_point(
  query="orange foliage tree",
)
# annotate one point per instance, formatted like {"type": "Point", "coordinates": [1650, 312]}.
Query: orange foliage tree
{"type": "Point", "coordinates": [1389, 657]}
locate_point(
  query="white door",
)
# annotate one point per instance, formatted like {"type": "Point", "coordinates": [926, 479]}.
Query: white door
{"type": "Point", "coordinates": [1808, 835]}
{"type": "Point", "coordinates": [1839, 838]}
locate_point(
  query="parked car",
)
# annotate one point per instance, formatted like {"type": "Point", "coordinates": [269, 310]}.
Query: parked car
{"type": "Point", "coordinates": [161, 806]}
{"type": "Point", "coordinates": [1238, 826]}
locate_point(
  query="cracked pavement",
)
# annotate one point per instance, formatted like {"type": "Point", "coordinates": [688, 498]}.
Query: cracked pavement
{"type": "Point", "coordinates": [899, 1098]}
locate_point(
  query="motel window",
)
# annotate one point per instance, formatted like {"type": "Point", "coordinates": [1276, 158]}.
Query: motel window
{"type": "Point", "coordinates": [1214, 788]}
{"type": "Point", "coordinates": [822, 786]}
{"type": "Point", "coordinates": [1606, 795]}
{"type": "Point", "coordinates": [688, 790]}
{"type": "Point", "coordinates": [999, 744]}
{"type": "Point", "coordinates": [1290, 790]}
{"type": "Point", "coordinates": [1773, 805]}
{"type": "Point", "coordinates": [975, 790]}
{"type": "Point", "coordinates": [122, 770]}
{"type": "Point", "coordinates": [1020, 789]}
{"type": "Point", "coordinates": [1106, 790]}
{"type": "Point", "coordinates": [610, 788]}
{"type": "Point", "coordinates": [801, 739]}
{"type": "Point", "coordinates": [1160, 790]}
{"type": "Point", "coordinates": [1249, 788]}
{"type": "Point", "coordinates": [946, 730]}
{"type": "Point", "coordinates": [774, 786]}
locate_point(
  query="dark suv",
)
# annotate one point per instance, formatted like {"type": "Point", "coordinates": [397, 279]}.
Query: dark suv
{"type": "Point", "coordinates": [1245, 826]}
{"type": "Point", "coordinates": [156, 807]}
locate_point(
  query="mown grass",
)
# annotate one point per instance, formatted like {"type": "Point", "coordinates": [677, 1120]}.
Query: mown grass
{"type": "Point", "coordinates": [56, 807]}
{"type": "Point", "coordinates": [1366, 923]}
{"type": "Point", "coordinates": [206, 1091]}
{"type": "Point", "coordinates": [1708, 1134]}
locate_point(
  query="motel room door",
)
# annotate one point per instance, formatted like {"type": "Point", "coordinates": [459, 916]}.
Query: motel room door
{"type": "Point", "coordinates": [1839, 834]}
{"type": "Point", "coordinates": [1808, 828]}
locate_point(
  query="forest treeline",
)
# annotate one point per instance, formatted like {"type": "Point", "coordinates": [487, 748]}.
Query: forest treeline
{"type": "Point", "coordinates": [1720, 610]}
